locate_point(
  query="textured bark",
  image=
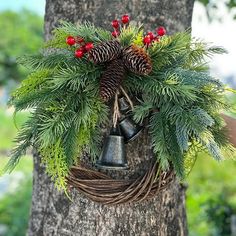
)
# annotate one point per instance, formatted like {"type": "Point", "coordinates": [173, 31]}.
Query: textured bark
{"type": "Point", "coordinates": [52, 213]}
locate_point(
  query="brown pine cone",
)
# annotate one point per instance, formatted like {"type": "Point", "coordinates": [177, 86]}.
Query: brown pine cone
{"type": "Point", "coordinates": [105, 51]}
{"type": "Point", "coordinates": [137, 60]}
{"type": "Point", "coordinates": [111, 79]}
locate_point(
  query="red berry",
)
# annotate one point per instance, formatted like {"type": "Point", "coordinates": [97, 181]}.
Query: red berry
{"type": "Point", "coordinates": [151, 35]}
{"type": "Point", "coordinates": [83, 49]}
{"type": "Point", "coordinates": [115, 24]}
{"type": "Point", "coordinates": [115, 33]}
{"type": "Point", "coordinates": [70, 40]}
{"type": "Point", "coordinates": [147, 39]}
{"type": "Point", "coordinates": [88, 46]}
{"type": "Point", "coordinates": [125, 19]}
{"type": "Point", "coordinates": [161, 31]}
{"type": "Point", "coordinates": [79, 53]}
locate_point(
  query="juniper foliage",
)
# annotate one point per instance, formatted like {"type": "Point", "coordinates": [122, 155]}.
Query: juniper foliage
{"type": "Point", "coordinates": [179, 97]}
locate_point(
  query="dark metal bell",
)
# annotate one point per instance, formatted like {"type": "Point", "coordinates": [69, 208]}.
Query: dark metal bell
{"type": "Point", "coordinates": [123, 105]}
{"type": "Point", "coordinates": [129, 129]}
{"type": "Point", "coordinates": [113, 154]}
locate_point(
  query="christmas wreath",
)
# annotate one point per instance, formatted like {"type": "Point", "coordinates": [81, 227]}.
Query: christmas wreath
{"type": "Point", "coordinates": [86, 75]}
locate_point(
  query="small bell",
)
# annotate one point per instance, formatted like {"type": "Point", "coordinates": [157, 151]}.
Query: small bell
{"type": "Point", "coordinates": [129, 129]}
{"type": "Point", "coordinates": [123, 105]}
{"type": "Point", "coordinates": [113, 154]}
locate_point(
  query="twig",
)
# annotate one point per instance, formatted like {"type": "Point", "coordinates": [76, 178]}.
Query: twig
{"type": "Point", "coordinates": [127, 97]}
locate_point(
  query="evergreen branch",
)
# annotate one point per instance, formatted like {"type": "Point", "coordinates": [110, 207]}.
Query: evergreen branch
{"type": "Point", "coordinates": [94, 143]}
{"type": "Point", "coordinates": [200, 50]}
{"type": "Point", "coordinates": [90, 33]}
{"type": "Point", "coordinates": [103, 35]}
{"type": "Point", "coordinates": [165, 143]}
{"type": "Point", "coordinates": [35, 99]}
{"type": "Point", "coordinates": [176, 155]}
{"type": "Point", "coordinates": [54, 159]}
{"type": "Point", "coordinates": [198, 67]}
{"type": "Point", "coordinates": [53, 125]}
{"type": "Point", "coordinates": [87, 31]}
{"type": "Point", "coordinates": [169, 90]}
{"type": "Point", "coordinates": [182, 136]}
{"type": "Point", "coordinates": [191, 155]}
{"type": "Point", "coordinates": [70, 144]}
{"type": "Point", "coordinates": [68, 27]}
{"type": "Point", "coordinates": [169, 50]}
{"type": "Point", "coordinates": [49, 61]}
{"type": "Point", "coordinates": [207, 140]}
{"type": "Point", "coordinates": [35, 81]}
{"type": "Point", "coordinates": [142, 110]}
{"type": "Point", "coordinates": [212, 100]}
{"type": "Point", "coordinates": [196, 79]}
{"type": "Point", "coordinates": [157, 129]}
{"type": "Point", "coordinates": [138, 39]}
{"type": "Point", "coordinates": [75, 77]}
{"type": "Point", "coordinates": [23, 141]}
{"type": "Point", "coordinates": [128, 35]}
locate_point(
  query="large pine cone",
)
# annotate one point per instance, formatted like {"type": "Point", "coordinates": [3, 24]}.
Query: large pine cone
{"type": "Point", "coordinates": [105, 51]}
{"type": "Point", "coordinates": [111, 79]}
{"type": "Point", "coordinates": [137, 60]}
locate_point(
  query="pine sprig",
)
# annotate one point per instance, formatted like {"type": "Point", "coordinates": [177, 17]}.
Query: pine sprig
{"type": "Point", "coordinates": [75, 77]}
{"type": "Point", "coordinates": [129, 35]}
{"type": "Point", "coordinates": [200, 50]}
{"type": "Point", "coordinates": [160, 146]}
{"type": "Point", "coordinates": [54, 159]}
{"type": "Point", "coordinates": [138, 39]}
{"type": "Point", "coordinates": [34, 82]}
{"type": "Point", "coordinates": [162, 92]}
{"type": "Point", "coordinates": [169, 50]}
{"type": "Point", "coordinates": [23, 140]}
{"type": "Point", "coordinates": [49, 61]}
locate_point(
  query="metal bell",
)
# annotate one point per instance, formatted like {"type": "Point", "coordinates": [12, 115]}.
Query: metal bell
{"type": "Point", "coordinates": [123, 105]}
{"type": "Point", "coordinates": [129, 129]}
{"type": "Point", "coordinates": [113, 154]}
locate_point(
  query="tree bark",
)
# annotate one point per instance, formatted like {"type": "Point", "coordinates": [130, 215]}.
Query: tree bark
{"type": "Point", "coordinates": [52, 212]}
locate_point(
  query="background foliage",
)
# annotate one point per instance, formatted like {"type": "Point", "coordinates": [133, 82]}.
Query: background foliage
{"type": "Point", "coordinates": [213, 8]}
{"type": "Point", "coordinates": [21, 33]}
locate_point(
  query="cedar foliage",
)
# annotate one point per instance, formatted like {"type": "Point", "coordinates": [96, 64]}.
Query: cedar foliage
{"type": "Point", "coordinates": [62, 93]}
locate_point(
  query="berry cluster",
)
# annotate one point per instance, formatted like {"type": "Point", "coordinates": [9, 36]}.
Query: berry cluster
{"type": "Point", "coordinates": [150, 37]}
{"type": "Point", "coordinates": [116, 25]}
{"type": "Point", "coordinates": [83, 46]}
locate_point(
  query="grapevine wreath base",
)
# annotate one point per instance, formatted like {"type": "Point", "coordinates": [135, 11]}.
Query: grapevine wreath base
{"type": "Point", "coordinates": [101, 188]}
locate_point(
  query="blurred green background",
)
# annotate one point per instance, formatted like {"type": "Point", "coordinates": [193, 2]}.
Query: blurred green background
{"type": "Point", "coordinates": [211, 195]}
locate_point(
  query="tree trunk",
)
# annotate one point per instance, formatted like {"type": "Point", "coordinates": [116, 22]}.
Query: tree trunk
{"type": "Point", "coordinates": [52, 212]}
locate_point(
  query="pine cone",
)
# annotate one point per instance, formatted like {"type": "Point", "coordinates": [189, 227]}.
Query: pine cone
{"type": "Point", "coordinates": [111, 79]}
{"type": "Point", "coordinates": [105, 51]}
{"type": "Point", "coordinates": [137, 60]}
